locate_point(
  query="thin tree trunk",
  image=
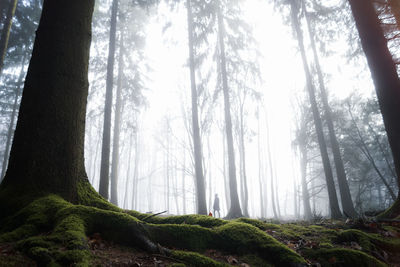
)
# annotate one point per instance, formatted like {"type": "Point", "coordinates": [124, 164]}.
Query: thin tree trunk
{"type": "Point", "coordinates": [117, 127]}
{"type": "Point", "coordinates": [105, 150]}
{"type": "Point", "coordinates": [235, 211]}
{"type": "Point", "coordinates": [5, 34]}
{"type": "Point", "coordinates": [13, 117]}
{"type": "Point", "coordinates": [200, 186]}
{"type": "Point", "coordinates": [333, 200]}
{"type": "Point", "coordinates": [345, 196]}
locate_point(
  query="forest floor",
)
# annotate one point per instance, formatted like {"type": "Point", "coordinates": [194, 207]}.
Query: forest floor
{"type": "Point", "coordinates": [323, 243]}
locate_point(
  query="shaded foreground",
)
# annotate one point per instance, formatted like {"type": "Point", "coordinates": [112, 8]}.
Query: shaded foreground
{"type": "Point", "coordinates": [51, 231]}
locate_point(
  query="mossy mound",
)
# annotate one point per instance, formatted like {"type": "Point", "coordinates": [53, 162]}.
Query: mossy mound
{"type": "Point", "coordinates": [52, 231]}
{"type": "Point", "coordinates": [342, 257]}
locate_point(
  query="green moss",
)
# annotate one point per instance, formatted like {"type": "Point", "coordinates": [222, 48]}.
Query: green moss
{"type": "Point", "coordinates": [177, 265]}
{"type": "Point", "coordinates": [369, 241]}
{"type": "Point", "coordinates": [342, 257]}
{"type": "Point", "coordinates": [192, 237]}
{"type": "Point", "coordinates": [202, 220]}
{"type": "Point", "coordinates": [260, 224]}
{"type": "Point", "coordinates": [243, 239]}
{"type": "Point", "coordinates": [196, 260]}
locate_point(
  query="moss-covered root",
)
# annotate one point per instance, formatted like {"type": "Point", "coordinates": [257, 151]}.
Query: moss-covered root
{"type": "Point", "coordinates": [232, 237]}
{"type": "Point", "coordinates": [342, 257]}
{"type": "Point", "coordinates": [195, 259]}
{"type": "Point", "coordinates": [369, 242]}
{"type": "Point", "coordinates": [51, 230]}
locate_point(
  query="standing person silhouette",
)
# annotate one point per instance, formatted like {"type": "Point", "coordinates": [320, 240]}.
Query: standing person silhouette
{"type": "Point", "coordinates": [216, 206]}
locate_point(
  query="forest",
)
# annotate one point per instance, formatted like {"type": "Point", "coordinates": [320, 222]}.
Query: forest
{"type": "Point", "coordinates": [175, 133]}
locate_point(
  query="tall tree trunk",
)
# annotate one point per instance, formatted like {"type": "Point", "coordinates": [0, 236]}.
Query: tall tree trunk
{"type": "Point", "coordinates": [47, 151]}
{"type": "Point", "coordinates": [105, 149]}
{"type": "Point", "coordinates": [386, 80]}
{"type": "Point", "coordinates": [117, 126]}
{"type": "Point", "coordinates": [200, 186]}
{"type": "Point", "coordinates": [5, 34]}
{"type": "Point", "coordinates": [12, 119]}
{"type": "Point", "coordinates": [345, 196]}
{"type": "Point", "coordinates": [333, 200]}
{"type": "Point", "coordinates": [235, 211]}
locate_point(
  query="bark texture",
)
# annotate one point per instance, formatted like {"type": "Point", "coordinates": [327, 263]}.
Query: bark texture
{"type": "Point", "coordinates": [47, 151]}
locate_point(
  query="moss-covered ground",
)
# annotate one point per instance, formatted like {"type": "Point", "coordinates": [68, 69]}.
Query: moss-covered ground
{"type": "Point", "coordinates": [50, 231]}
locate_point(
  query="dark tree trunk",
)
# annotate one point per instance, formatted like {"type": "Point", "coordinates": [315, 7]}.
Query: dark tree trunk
{"type": "Point", "coordinates": [47, 151]}
{"type": "Point", "coordinates": [333, 200]}
{"type": "Point", "coordinates": [105, 149]}
{"type": "Point", "coordinates": [200, 186]}
{"type": "Point", "coordinates": [117, 127]}
{"type": "Point", "coordinates": [345, 196]}
{"type": "Point", "coordinates": [386, 80]}
{"type": "Point", "coordinates": [235, 211]}
{"type": "Point", "coordinates": [12, 119]}
{"type": "Point", "coordinates": [5, 34]}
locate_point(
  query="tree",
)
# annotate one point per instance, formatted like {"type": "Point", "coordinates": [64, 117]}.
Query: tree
{"type": "Point", "coordinates": [5, 34]}
{"type": "Point", "coordinates": [200, 186]}
{"type": "Point", "coordinates": [235, 210]}
{"type": "Point", "coordinates": [105, 151]}
{"type": "Point", "coordinates": [47, 151]}
{"type": "Point", "coordinates": [333, 201]}
{"type": "Point", "coordinates": [345, 196]}
{"type": "Point", "coordinates": [117, 126]}
{"type": "Point", "coordinates": [386, 79]}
